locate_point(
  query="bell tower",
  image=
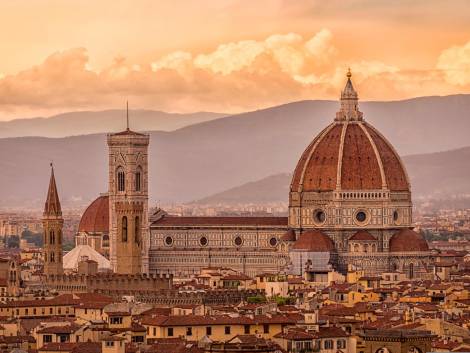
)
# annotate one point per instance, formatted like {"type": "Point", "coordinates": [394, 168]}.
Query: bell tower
{"type": "Point", "coordinates": [128, 201]}
{"type": "Point", "coordinates": [52, 223]}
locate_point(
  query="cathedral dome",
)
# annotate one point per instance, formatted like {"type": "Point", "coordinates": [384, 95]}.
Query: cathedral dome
{"type": "Point", "coordinates": [349, 154]}
{"type": "Point", "coordinates": [314, 241]}
{"type": "Point", "coordinates": [95, 219]}
{"type": "Point", "coordinates": [407, 240]}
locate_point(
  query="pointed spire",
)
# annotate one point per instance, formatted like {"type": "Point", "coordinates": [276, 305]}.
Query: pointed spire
{"type": "Point", "coordinates": [52, 206]}
{"type": "Point", "coordinates": [349, 102]}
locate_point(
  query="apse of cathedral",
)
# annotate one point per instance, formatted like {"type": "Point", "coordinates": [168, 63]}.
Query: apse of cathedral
{"type": "Point", "coordinates": [349, 208]}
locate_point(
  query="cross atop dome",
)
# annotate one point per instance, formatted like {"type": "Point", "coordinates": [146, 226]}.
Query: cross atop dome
{"type": "Point", "coordinates": [349, 103]}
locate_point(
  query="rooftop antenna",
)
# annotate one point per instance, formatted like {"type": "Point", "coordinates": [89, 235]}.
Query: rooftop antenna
{"type": "Point", "coordinates": [127, 114]}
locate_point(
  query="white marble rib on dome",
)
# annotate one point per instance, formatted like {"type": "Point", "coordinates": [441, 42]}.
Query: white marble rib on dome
{"type": "Point", "coordinates": [84, 252]}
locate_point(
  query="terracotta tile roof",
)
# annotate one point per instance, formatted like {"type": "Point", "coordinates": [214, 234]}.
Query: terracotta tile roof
{"type": "Point", "coordinates": [288, 236]}
{"type": "Point", "coordinates": [168, 220]}
{"type": "Point", "coordinates": [195, 320]}
{"type": "Point", "coordinates": [407, 240]}
{"type": "Point", "coordinates": [317, 169]}
{"type": "Point", "coordinates": [95, 219]}
{"type": "Point", "coordinates": [314, 241]}
{"type": "Point", "coordinates": [60, 329]}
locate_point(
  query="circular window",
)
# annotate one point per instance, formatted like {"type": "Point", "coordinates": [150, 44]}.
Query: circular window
{"type": "Point", "coordinates": [238, 241]}
{"type": "Point", "coordinates": [203, 241]}
{"type": "Point", "coordinates": [319, 216]}
{"type": "Point", "coordinates": [361, 216]}
{"type": "Point", "coordinates": [169, 241]}
{"type": "Point", "coordinates": [273, 241]}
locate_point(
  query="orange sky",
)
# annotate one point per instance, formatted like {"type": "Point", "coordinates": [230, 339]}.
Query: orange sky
{"type": "Point", "coordinates": [225, 55]}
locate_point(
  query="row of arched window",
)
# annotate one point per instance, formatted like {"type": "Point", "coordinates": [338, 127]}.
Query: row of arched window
{"type": "Point", "coordinates": [52, 237]}
{"type": "Point", "coordinates": [121, 179]}
{"type": "Point", "coordinates": [125, 229]}
{"type": "Point", "coordinates": [51, 257]}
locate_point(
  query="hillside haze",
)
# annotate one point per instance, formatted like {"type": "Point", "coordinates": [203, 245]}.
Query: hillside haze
{"type": "Point", "coordinates": [88, 122]}
{"type": "Point", "coordinates": [203, 159]}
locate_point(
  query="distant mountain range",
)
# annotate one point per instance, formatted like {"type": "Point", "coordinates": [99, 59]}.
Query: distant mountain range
{"type": "Point", "coordinates": [437, 175]}
{"type": "Point", "coordinates": [87, 122]}
{"type": "Point", "coordinates": [210, 157]}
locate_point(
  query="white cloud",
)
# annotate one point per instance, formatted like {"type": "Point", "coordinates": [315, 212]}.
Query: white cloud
{"type": "Point", "coordinates": [455, 63]}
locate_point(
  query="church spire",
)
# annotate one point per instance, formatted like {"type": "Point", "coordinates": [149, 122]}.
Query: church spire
{"type": "Point", "coordinates": [52, 205]}
{"type": "Point", "coordinates": [349, 102]}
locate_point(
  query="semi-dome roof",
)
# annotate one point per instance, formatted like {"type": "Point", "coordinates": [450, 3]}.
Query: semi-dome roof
{"type": "Point", "coordinates": [95, 219]}
{"type": "Point", "coordinates": [362, 235]}
{"type": "Point", "coordinates": [314, 241]}
{"type": "Point", "coordinates": [349, 154]}
{"type": "Point", "coordinates": [289, 235]}
{"type": "Point", "coordinates": [407, 240]}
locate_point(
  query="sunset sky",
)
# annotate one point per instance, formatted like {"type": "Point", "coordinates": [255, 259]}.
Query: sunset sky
{"type": "Point", "coordinates": [225, 55]}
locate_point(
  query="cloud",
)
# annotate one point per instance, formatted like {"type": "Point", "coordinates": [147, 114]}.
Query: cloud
{"type": "Point", "coordinates": [455, 63]}
{"type": "Point", "coordinates": [235, 76]}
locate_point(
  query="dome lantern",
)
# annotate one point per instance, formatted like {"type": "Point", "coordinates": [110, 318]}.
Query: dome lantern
{"type": "Point", "coordinates": [349, 103]}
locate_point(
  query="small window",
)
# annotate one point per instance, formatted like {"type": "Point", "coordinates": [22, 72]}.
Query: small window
{"type": "Point", "coordinates": [361, 216]}
{"type": "Point", "coordinates": [238, 241]}
{"type": "Point", "coordinates": [319, 216]}
{"type": "Point", "coordinates": [137, 230]}
{"type": "Point", "coordinates": [247, 329]}
{"type": "Point", "coordinates": [52, 257]}
{"type": "Point", "coordinates": [203, 241]}
{"type": "Point", "coordinates": [341, 344]}
{"type": "Point", "coordinates": [189, 331]}
{"type": "Point", "coordinates": [51, 237]}
{"type": "Point", "coordinates": [121, 180]}
{"type": "Point", "coordinates": [138, 179]}
{"type": "Point", "coordinates": [170, 331]}
{"type": "Point", "coordinates": [265, 328]}
{"type": "Point", "coordinates": [124, 229]}
{"type": "Point", "coordinates": [328, 344]}
{"type": "Point", "coordinates": [227, 330]}
{"type": "Point", "coordinates": [47, 338]}
{"type": "Point", "coordinates": [208, 331]}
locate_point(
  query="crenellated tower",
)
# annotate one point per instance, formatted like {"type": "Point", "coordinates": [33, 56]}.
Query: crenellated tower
{"type": "Point", "coordinates": [128, 201]}
{"type": "Point", "coordinates": [52, 224]}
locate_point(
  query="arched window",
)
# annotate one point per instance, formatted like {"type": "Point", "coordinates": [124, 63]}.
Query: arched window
{"type": "Point", "coordinates": [411, 270]}
{"type": "Point", "coordinates": [138, 179]}
{"type": "Point", "coordinates": [137, 230]}
{"type": "Point", "coordinates": [59, 237]}
{"type": "Point", "coordinates": [124, 228]}
{"type": "Point", "coordinates": [121, 179]}
{"type": "Point", "coordinates": [52, 257]}
{"type": "Point", "coordinates": [51, 237]}
{"type": "Point", "coordinates": [356, 247]}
